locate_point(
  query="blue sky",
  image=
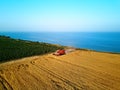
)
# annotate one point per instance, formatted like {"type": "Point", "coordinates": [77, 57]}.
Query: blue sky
{"type": "Point", "coordinates": [59, 15]}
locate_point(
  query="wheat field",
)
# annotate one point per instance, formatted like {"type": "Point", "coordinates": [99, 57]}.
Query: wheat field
{"type": "Point", "coordinates": [78, 70]}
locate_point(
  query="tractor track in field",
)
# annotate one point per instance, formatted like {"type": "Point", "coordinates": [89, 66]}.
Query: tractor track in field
{"type": "Point", "coordinates": [5, 84]}
{"type": "Point", "coordinates": [62, 78]}
{"type": "Point", "coordinates": [70, 83]}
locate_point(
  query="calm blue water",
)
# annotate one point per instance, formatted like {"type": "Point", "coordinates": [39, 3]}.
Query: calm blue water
{"type": "Point", "coordinates": [104, 41]}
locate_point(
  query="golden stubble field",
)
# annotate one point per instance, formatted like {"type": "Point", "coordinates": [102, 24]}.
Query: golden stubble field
{"type": "Point", "coordinates": [78, 70]}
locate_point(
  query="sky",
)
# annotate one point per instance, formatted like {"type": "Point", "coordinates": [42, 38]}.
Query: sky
{"type": "Point", "coordinates": [59, 15]}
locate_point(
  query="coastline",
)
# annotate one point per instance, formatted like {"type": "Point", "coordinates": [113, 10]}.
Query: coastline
{"type": "Point", "coordinates": [98, 41]}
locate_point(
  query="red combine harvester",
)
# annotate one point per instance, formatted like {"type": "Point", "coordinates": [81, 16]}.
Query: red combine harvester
{"type": "Point", "coordinates": [59, 52]}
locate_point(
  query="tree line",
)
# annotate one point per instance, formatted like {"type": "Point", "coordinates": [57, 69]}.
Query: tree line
{"type": "Point", "coordinates": [15, 48]}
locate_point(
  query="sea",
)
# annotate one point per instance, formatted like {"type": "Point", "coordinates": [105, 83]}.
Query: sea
{"type": "Point", "coordinates": [99, 41]}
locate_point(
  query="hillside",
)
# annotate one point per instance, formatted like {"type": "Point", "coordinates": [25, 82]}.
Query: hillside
{"type": "Point", "coordinates": [78, 70]}
{"type": "Point", "coordinates": [15, 48]}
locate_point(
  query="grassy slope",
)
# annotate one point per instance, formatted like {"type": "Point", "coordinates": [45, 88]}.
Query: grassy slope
{"type": "Point", "coordinates": [15, 48]}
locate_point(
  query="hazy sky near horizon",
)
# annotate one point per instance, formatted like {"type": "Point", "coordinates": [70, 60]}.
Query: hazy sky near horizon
{"type": "Point", "coordinates": [60, 15]}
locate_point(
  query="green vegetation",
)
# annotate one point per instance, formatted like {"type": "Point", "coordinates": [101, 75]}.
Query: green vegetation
{"type": "Point", "coordinates": [15, 48]}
